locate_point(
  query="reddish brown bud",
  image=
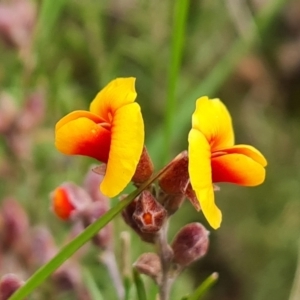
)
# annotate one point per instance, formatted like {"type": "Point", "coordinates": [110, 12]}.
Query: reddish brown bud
{"type": "Point", "coordinates": [171, 202]}
{"type": "Point", "coordinates": [150, 265]}
{"type": "Point", "coordinates": [176, 178]}
{"type": "Point", "coordinates": [144, 168]}
{"type": "Point", "coordinates": [127, 215]}
{"type": "Point", "coordinates": [190, 244]}
{"type": "Point", "coordinates": [9, 283]}
{"type": "Point", "coordinates": [149, 215]}
{"type": "Point", "coordinates": [68, 199]}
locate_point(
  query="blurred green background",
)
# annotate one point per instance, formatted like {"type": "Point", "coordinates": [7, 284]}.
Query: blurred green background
{"type": "Point", "coordinates": [61, 53]}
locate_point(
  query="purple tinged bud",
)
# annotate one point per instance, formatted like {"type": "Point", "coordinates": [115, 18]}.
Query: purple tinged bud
{"type": "Point", "coordinates": [190, 244]}
{"type": "Point", "coordinates": [92, 183]}
{"type": "Point", "coordinates": [14, 221]}
{"type": "Point", "coordinates": [89, 215]}
{"type": "Point", "coordinates": [149, 264]}
{"type": "Point", "coordinates": [9, 283]}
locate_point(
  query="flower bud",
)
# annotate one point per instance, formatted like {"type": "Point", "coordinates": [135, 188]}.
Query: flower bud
{"type": "Point", "coordinates": [171, 203]}
{"type": "Point", "coordinates": [68, 199]}
{"type": "Point", "coordinates": [15, 223]}
{"type": "Point", "coordinates": [190, 244]}
{"type": "Point", "coordinates": [91, 184]}
{"type": "Point", "coordinates": [89, 215]}
{"type": "Point", "coordinates": [149, 215]}
{"type": "Point", "coordinates": [43, 246]}
{"type": "Point", "coordinates": [127, 215]}
{"type": "Point", "coordinates": [144, 168]}
{"type": "Point", "coordinates": [9, 283]}
{"type": "Point", "coordinates": [149, 264]}
{"type": "Point", "coordinates": [176, 178]}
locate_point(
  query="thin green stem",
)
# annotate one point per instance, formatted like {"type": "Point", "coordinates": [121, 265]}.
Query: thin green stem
{"type": "Point", "coordinates": [139, 284]}
{"type": "Point", "coordinates": [177, 46]}
{"type": "Point", "coordinates": [214, 79]}
{"type": "Point", "coordinates": [204, 287]}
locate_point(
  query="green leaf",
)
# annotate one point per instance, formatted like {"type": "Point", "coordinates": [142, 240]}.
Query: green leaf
{"type": "Point", "coordinates": [139, 284]}
{"type": "Point", "coordinates": [68, 250]}
{"type": "Point", "coordinates": [91, 285]}
{"type": "Point", "coordinates": [203, 288]}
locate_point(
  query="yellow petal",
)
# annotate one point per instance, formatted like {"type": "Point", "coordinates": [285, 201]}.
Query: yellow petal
{"type": "Point", "coordinates": [237, 168]}
{"type": "Point", "coordinates": [212, 118]}
{"type": "Point", "coordinates": [201, 176]}
{"type": "Point", "coordinates": [116, 94]}
{"type": "Point", "coordinates": [127, 143]}
{"type": "Point", "coordinates": [83, 136]}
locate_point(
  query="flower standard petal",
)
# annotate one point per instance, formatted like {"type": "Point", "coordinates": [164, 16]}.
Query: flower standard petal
{"type": "Point", "coordinates": [84, 137]}
{"type": "Point", "coordinates": [237, 168]}
{"type": "Point", "coordinates": [201, 176]}
{"type": "Point", "coordinates": [213, 120]}
{"type": "Point", "coordinates": [116, 94]}
{"type": "Point", "coordinates": [127, 140]}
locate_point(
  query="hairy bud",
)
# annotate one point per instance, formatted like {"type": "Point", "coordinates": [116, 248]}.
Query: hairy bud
{"type": "Point", "coordinates": [69, 199]}
{"type": "Point", "coordinates": [149, 215]}
{"type": "Point", "coordinates": [149, 264]}
{"type": "Point", "coordinates": [190, 244]}
{"type": "Point", "coordinates": [9, 283]}
{"type": "Point", "coordinates": [144, 168]}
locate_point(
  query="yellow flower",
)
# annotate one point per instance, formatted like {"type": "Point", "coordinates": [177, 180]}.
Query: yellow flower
{"type": "Point", "coordinates": [111, 132]}
{"type": "Point", "coordinates": [213, 157]}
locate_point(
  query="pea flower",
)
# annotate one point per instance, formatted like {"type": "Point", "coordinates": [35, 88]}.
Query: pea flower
{"type": "Point", "coordinates": [111, 132]}
{"type": "Point", "coordinates": [213, 157]}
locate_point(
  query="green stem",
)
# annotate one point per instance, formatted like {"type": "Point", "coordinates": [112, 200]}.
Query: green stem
{"type": "Point", "coordinates": [177, 46]}
{"type": "Point", "coordinates": [204, 287]}
{"type": "Point", "coordinates": [139, 284]}
{"type": "Point", "coordinates": [213, 80]}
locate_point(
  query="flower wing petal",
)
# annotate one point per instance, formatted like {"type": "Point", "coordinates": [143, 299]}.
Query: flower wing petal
{"type": "Point", "coordinates": [201, 176]}
{"type": "Point", "coordinates": [75, 115]}
{"type": "Point", "coordinates": [238, 168]}
{"type": "Point", "coordinates": [126, 148]}
{"type": "Point", "coordinates": [212, 118]}
{"type": "Point", "coordinates": [117, 93]}
{"type": "Point", "coordinates": [246, 150]}
{"type": "Point", "coordinates": [82, 136]}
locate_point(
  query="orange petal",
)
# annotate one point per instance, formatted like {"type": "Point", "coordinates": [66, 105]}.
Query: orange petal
{"type": "Point", "coordinates": [238, 168]}
{"type": "Point", "coordinates": [61, 203]}
{"type": "Point", "coordinates": [116, 94]}
{"type": "Point", "coordinates": [84, 137]}
{"type": "Point", "coordinates": [201, 177]}
{"type": "Point", "coordinates": [127, 143]}
{"type": "Point", "coordinates": [212, 118]}
{"type": "Point", "coordinates": [246, 150]}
